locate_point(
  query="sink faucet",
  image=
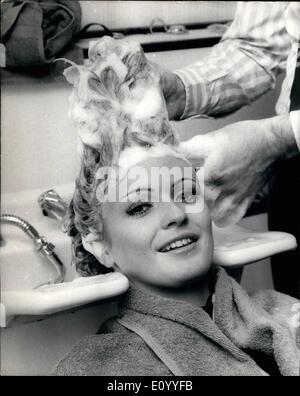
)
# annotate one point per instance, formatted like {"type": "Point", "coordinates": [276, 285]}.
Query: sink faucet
{"type": "Point", "coordinates": [42, 246]}
{"type": "Point", "coordinates": [52, 205]}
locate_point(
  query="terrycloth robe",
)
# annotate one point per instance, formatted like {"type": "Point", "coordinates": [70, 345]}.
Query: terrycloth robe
{"type": "Point", "coordinates": [161, 336]}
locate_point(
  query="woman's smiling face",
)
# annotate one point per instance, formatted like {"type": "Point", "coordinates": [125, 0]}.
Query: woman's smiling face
{"type": "Point", "coordinates": [161, 234]}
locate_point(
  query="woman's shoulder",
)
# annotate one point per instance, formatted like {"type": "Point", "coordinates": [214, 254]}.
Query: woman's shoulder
{"type": "Point", "coordinates": [268, 299]}
{"type": "Point", "coordinates": [120, 352]}
{"type": "Point", "coordinates": [281, 309]}
{"type": "Point", "coordinates": [280, 306]}
{"type": "Point", "coordinates": [271, 301]}
{"type": "Point", "coordinates": [94, 355]}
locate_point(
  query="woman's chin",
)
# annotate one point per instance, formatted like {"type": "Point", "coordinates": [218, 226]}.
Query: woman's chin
{"type": "Point", "coordinates": [186, 263]}
{"type": "Point", "coordinates": [186, 272]}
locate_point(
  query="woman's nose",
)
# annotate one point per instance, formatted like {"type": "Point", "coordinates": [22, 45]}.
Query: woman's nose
{"type": "Point", "coordinates": [173, 214]}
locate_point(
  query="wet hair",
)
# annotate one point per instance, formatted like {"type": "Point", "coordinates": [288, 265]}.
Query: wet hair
{"type": "Point", "coordinates": [117, 69]}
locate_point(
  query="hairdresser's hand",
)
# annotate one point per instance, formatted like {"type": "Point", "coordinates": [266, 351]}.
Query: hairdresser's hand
{"type": "Point", "coordinates": [238, 161]}
{"type": "Point", "coordinates": [174, 93]}
{"type": "Point", "coordinates": [173, 90]}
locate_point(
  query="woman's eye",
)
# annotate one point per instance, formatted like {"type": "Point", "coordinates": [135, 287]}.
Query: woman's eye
{"type": "Point", "coordinates": [139, 209]}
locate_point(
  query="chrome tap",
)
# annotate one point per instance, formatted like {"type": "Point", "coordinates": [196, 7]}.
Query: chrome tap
{"type": "Point", "coordinates": [52, 205]}
{"type": "Point", "coordinates": [42, 246]}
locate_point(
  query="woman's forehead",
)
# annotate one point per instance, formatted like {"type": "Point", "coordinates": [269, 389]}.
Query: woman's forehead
{"type": "Point", "coordinates": [158, 174]}
{"type": "Point", "coordinates": [162, 176]}
{"type": "Point", "coordinates": [167, 161]}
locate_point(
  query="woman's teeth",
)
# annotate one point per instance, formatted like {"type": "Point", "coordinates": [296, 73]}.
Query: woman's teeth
{"type": "Point", "coordinates": [177, 244]}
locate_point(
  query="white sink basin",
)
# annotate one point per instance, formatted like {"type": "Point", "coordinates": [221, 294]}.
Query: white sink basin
{"type": "Point", "coordinates": [236, 246]}
{"type": "Point", "coordinates": [28, 279]}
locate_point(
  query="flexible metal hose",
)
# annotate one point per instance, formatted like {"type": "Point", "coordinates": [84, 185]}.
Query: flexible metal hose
{"type": "Point", "coordinates": [21, 223]}
{"type": "Point", "coordinates": [42, 246]}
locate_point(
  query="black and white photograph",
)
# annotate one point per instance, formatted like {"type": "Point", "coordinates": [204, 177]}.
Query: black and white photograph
{"type": "Point", "coordinates": [150, 190]}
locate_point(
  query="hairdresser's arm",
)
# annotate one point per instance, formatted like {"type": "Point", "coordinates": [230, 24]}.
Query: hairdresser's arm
{"type": "Point", "coordinates": [242, 67]}
{"type": "Point", "coordinates": [239, 159]}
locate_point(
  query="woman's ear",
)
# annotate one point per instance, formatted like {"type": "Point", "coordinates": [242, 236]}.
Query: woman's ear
{"type": "Point", "coordinates": [99, 249]}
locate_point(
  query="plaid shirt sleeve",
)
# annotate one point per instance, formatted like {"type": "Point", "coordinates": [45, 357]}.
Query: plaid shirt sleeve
{"type": "Point", "coordinates": [243, 66]}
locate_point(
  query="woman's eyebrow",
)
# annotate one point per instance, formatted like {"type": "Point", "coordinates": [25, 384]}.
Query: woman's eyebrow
{"type": "Point", "coordinates": [149, 189]}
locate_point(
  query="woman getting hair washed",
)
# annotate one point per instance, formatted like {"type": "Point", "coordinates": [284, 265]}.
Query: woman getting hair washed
{"type": "Point", "coordinates": [138, 209]}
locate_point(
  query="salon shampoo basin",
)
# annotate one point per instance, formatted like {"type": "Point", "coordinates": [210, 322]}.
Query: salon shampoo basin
{"type": "Point", "coordinates": [28, 284]}
{"type": "Point", "coordinates": [52, 298]}
{"type": "Point", "coordinates": [236, 246]}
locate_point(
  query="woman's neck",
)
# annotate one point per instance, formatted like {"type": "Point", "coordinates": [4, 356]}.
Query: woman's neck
{"type": "Point", "coordinates": [195, 292]}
